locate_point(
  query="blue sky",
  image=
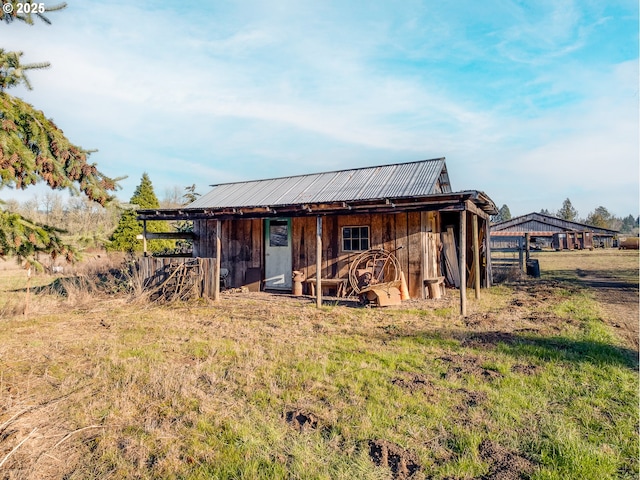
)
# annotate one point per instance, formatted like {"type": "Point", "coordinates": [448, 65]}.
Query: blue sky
{"type": "Point", "coordinates": [531, 102]}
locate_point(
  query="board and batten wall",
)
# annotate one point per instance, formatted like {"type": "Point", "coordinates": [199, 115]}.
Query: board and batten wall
{"type": "Point", "coordinates": [242, 242]}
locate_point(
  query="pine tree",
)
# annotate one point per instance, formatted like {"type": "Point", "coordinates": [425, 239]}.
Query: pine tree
{"type": "Point", "coordinates": [628, 224]}
{"type": "Point", "coordinates": [129, 227]}
{"type": "Point", "coordinates": [567, 212]}
{"type": "Point", "coordinates": [190, 195]}
{"type": "Point", "coordinates": [33, 149]}
{"type": "Point", "coordinates": [503, 214]}
{"type": "Point", "coordinates": [144, 196]}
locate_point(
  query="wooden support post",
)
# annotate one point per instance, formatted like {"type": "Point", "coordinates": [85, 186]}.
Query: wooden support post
{"type": "Point", "coordinates": [216, 273]}
{"type": "Point", "coordinates": [318, 261]}
{"type": "Point", "coordinates": [521, 253]}
{"type": "Point", "coordinates": [487, 252]}
{"type": "Point", "coordinates": [144, 237]}
{"type": "Point", "coordinates": [462, 262]}
{"type": "Point", "coordinates": [476, 254]}
{"type": "Point", "coordinates": [527, 248]}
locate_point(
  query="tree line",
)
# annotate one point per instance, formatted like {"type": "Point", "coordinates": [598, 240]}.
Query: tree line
{"type": "Point", "coordinates": [600, 217]}
{"type": "Point", "coordinates": [85, 224]}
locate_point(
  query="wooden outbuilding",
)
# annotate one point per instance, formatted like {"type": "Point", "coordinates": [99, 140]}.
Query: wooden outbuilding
{"type": "Point", "coordinates": [553, 232]}
{"type": "Point", "coordinates": [263, 231]}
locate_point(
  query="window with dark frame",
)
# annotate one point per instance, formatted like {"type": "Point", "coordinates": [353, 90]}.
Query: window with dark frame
{"type": "Point", "coordinates": [355, 239]}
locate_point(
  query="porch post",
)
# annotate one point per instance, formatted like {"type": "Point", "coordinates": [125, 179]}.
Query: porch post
{"type": "Point", "coordinates": [144, 237]}
{"type": "Point", "coordinates": [216, 278]}
{"type": "Point", "coordinates": [462, 262]}
{"type": "Point", "coordinates": [476, 254]}
{"type": "Point", "coordinates": [487, 252]}
{"type": "Point", "coordinates": [318, 261]}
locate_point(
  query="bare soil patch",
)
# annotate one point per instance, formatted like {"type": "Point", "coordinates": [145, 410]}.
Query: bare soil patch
{"type": "Point", "coordinates": [416, 382]}
{"type": "Point", "coordinates": [460, 366]}
{"type": "Point", "coordinates": [302, 420]}
{"type": "Point", "coordinates": [504, 464]}
{"type": "Point", "coordinates": [403, 464]}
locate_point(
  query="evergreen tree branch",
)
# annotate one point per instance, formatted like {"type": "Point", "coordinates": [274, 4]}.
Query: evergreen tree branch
{"type": "Point", "coordinates": [33, 149]}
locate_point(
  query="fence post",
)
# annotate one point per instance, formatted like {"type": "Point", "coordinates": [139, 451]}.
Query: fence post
{"type": "Point", "coordinates": [521, 253]}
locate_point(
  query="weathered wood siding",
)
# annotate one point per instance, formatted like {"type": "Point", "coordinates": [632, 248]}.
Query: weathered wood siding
{"type": "Point", "coordinates": [415, 232]}
{"type": "Point", "coordinates": [241, 245]}
{"type": "Point", "coordinates": [388, 231]}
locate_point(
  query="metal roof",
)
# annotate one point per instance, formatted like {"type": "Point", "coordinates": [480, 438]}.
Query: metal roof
{"type": "Point", "coordinates": [541, 222]}
{"type": "Point", "coordinates": [400, 180]}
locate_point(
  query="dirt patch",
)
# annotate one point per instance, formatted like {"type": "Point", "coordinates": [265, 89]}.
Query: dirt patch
{"type": "Point", "coordinates": [473, 398]}
{"type": "Point", "coordinates": [504, 464]}
{"type": "Point", "coordinates": [416, 382]}
{"type": "Point", "coordinates": [489, 339]}
{"type": "Point", "coordinates": [479, 320]}
{"type": "Point", "coordinates": [403, 464]}
{"type": "Point", "coordinates": [463, 365]}
{"type": "Point", "coordinates": [551, 321]}
{"type": "Point", "coordinates": [302, 420]}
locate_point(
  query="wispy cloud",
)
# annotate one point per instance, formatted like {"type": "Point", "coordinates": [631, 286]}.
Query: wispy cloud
{"type": "Point", "coordinates": [505, 90]}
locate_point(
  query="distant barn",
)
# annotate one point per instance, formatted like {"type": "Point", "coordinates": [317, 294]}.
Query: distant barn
{"type": "Point", "coordinates": [550, 231]}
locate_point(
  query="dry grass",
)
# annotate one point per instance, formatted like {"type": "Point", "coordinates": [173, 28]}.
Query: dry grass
{"type": "Point", "coordinates": [262, 386]}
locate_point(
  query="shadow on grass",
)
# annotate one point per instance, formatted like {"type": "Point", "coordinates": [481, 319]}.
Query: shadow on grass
{"type": "Point", "coordinates": [556, 348]}
{"type": "Point", "coordinates": [596, 279]}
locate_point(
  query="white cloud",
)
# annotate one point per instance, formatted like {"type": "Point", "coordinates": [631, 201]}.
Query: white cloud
{"type": "Point", "coordinates": [238, 93]}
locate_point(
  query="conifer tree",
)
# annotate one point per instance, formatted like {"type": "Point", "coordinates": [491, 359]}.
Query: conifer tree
{"type": "Point", "coordinates": [32, 150]}
{"type": "Point", "coordinates": [567, 212]}
{"type": "Point", "coordinates": [129, 227]}
{"type": "Point", "coordinates": [503, 214]}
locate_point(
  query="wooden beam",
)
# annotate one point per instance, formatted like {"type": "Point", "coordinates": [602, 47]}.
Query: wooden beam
{"type": "Point", "coordinates": [476, 254]}
{"type": "Point", "coordinates": [168, 235]}
{"type": "Point", "coordinates": [318, 261]}
{"type": "Point", "coordinates": [216, 273]}
{"type": "Point", "coordinates": [462, 262]}
{"type": "Point", "coordinates": [472, 207]}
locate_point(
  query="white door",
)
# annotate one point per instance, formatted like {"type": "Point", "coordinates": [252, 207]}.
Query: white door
{"type": "Point", "coordinates": [277, 251]}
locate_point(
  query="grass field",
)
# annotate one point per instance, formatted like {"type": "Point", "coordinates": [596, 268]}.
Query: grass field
{"type": "Point", "coordinates": [539, 381]}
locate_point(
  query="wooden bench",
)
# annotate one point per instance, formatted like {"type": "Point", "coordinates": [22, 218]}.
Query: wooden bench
{"type": "Point", "coordinates": [340, 284]}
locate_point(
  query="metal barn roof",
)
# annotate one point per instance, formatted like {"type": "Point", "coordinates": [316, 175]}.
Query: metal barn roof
{"type": "Point", "coordinates": [400, 180]}
{"type": "Point", "coordinates": [539, 223]}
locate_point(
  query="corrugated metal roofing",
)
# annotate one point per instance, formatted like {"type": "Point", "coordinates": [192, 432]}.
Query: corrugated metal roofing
{"type": "Point", "coordinates": [541, 222]}
{"type": "Point", "coordinates": [369, 183]}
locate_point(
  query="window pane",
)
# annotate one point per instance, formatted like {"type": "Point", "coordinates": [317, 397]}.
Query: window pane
{"type": "Point", "coordinates": [278, 234]}
{"type": "Point", "coordinates": [355, 238]}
